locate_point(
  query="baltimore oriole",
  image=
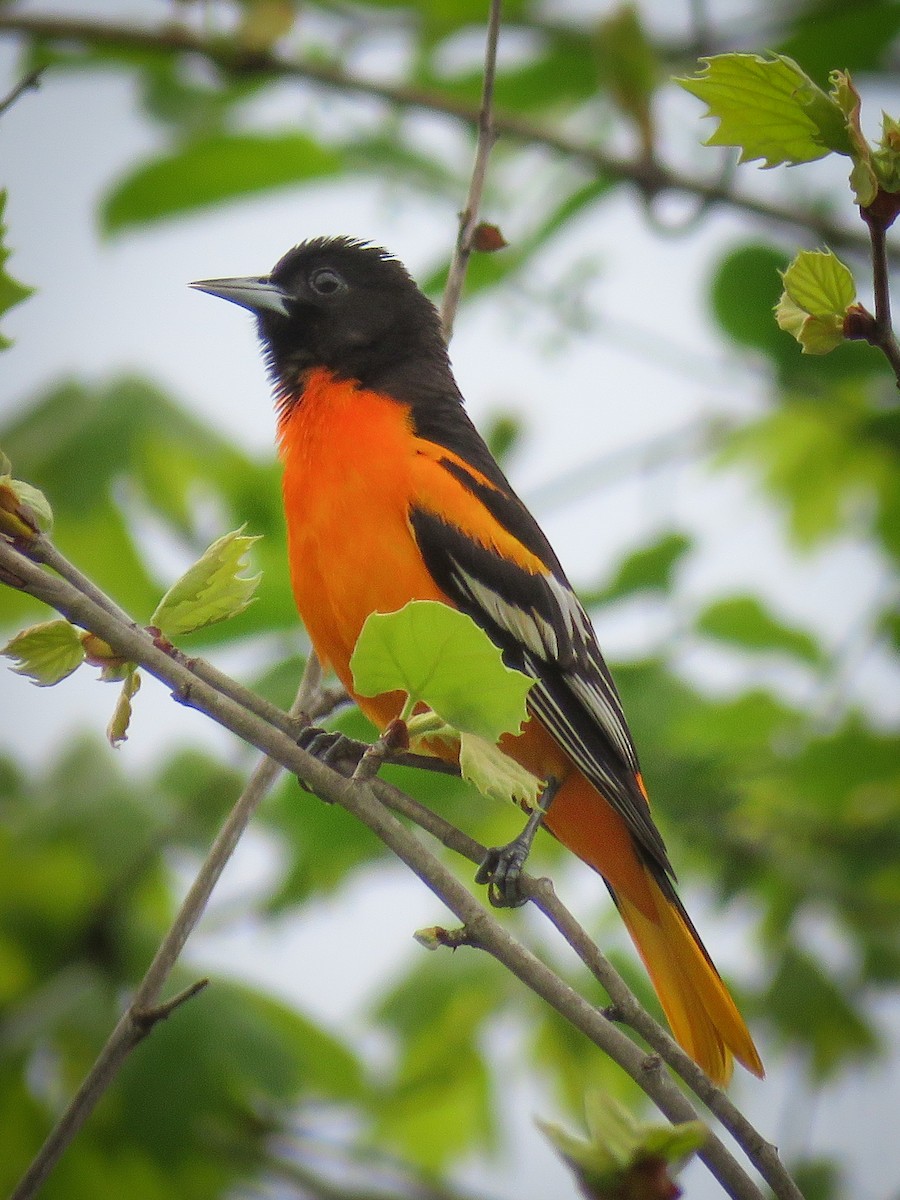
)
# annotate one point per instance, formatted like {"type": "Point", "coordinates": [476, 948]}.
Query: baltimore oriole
{"type": "Point", "coordinates": [391, 495]}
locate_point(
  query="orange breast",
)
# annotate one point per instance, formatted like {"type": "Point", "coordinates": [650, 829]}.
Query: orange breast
{"type": "Point", "coordinates": [348, 459]}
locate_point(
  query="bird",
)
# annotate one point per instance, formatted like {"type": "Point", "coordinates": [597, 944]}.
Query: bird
{"type": "Point", "coordinates": [391, 495]}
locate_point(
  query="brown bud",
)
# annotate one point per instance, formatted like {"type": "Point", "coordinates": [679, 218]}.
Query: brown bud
{"type": "Point", "coordinates": [396, 735]}
{"type": "Point", "coordinates": [487, 238]}
{"type": "Point", "coordinates": [859, 324]}
{"type": "Point", "coordinates": [883, 210]}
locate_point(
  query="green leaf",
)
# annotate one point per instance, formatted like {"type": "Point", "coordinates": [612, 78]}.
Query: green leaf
{"type": "Point", "coordinates": [745, 622]}
{"type": "Point", "coordinates": [117, 730]}
{"type": "Point", "coordinates": [439, 657]}
{"type": "Point", "coordinates": [649, 569]}
{"type": "Point", "coordinates": [211, 169]}
{"type": "Point", "coordinates": [36, 501]}
{"type": "Point", "coordinates": [859, 36]}
{"type": "Point", "coordinates": [818, 290]}
{"type": "Point", "coordinates": [770, 108]}
{"type": "Point", "coordinates": [630, 66]}
{"type": "Point", "coordinates": [806, 1004]}
{"type": "Point", "coordinates": [820, 283]}
{"type": "Point", "coordinates": [623, 1156]}
{"type": "Point", "coordinates": [212, 590]}
{"type": "Point", "coordinates": [495, 774]}
{"type": "Point", "coordinates": [24, 510]}
{"type": "Point", "coordinates": [863, 178]}
{"type": "Point", "coordinates": [886, 158]}
{"type": "Point", "coordinates": [46, 653]}
{"type": "Point", "coordinates": [11, 291]}
{"type": "Point", "coordinates": [439, 1104]}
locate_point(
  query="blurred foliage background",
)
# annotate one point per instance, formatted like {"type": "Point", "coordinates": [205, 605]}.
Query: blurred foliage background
{"type": "Point", "coordinates": [780, 799]}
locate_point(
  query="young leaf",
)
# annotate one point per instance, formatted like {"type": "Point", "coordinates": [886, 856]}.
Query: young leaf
{"type": "Point", "coordinates": [770, 108]}
{"type": "Point", "coordinates": [623, 1157]}
{"type": "Point", "coordinates": [46, 653]}
{"type": "Point", "coordinates": [862, 178]}
{"type": "Point", "coordinates": [117, 729]}
{"type": "Point", "coordinates": [440, 657]}
{"type": "Point", "coordinates": [11, 291]}
{"type": "Point", "coordinates": [24, 510]}
{"type": "Point", "coordinates": [818, 290]}
{"type": "Point", "coordinates": [212, 590]}
{"type": "Point", "coordinates": [495, 774]}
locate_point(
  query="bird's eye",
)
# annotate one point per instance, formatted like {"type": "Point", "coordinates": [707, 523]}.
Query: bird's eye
{"type": "Point", "coordinates": [326, 282]}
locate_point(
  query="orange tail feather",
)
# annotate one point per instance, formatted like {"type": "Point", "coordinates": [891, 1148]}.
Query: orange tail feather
{"type": "Point", "coordinates": [699, 1008]}
{"type": "Point", "coordinates": [697, 1004]}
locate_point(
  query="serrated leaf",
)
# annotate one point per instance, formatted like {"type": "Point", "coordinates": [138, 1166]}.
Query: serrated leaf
{"type": "Point", "coordinates": [745, 622]}
{"type": "Point", "coordinates": [212, 590]}
{"type": "Point", "coordinates": [818, 290]}
{"type": "Point", "coordinates": [495, 774]}
{"type": "Point", "coordinates": [769, 108]}
{"type": "Point", "coordinates": [439, 657]}
{"type": "Point", "coordinates": [820, 283]}
{"type": "Point", "coordinates": [46, 653]}
{"type": "Point", "coordinates": [209, 170]}
{"type": "Point", "coordinates": [117, 729]}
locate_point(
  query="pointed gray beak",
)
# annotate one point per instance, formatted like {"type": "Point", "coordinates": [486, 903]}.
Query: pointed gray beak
{"type": "Point", "coordinates": [257, 294]}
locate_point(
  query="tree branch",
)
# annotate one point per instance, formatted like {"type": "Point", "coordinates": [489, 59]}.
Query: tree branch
{"type": "Point", "coordinates": [468, 218]}
{"type": "Point", "coordinates": [362, 800]}
{"type": "Point", "coordinates": [628, 1009]}
{"type": "Point", "coordinates": [651, 178]}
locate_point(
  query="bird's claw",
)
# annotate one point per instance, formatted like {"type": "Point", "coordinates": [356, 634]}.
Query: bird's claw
{"type": "Point", "coordinates": [330, 747]}
{"type": "Point", "coordinates": [501, 870]}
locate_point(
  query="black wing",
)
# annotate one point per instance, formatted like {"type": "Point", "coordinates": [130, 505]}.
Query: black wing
{"type": "Point", "coordinates": [543, 630]}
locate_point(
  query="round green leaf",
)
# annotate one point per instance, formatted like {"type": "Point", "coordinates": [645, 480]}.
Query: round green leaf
{"type": "Point", "coordinates": [440, 657]}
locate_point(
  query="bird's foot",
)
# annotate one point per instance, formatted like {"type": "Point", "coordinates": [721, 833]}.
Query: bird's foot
{"type": "Point", "coordinates": [501, 870]}
{"type": "Point", "coordinates": [502, 866]}
{"type": "Point", "coordinates": [332, 748]}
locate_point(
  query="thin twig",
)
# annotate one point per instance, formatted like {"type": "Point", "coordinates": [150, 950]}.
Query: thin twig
{"type": "Point", "coordinates": [651, 178]}
{"type": "Point", "coordinates": [31, 80]}
{"type": "Point", "coordinates": [361, 801]}
{"type": "Point", "coordinates": [468, 218]}
{"type": "Point", "coordinates": [145, 1011]}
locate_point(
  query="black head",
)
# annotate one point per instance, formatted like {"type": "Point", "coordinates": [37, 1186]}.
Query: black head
{"type": "Point", "coordinates": [347, 306]}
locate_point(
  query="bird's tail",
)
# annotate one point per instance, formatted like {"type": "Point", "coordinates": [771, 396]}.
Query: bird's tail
{"type": "Point", "coordinates": [699, 1008]}
{"type": "Point", "coordinates": [697, 1004]}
